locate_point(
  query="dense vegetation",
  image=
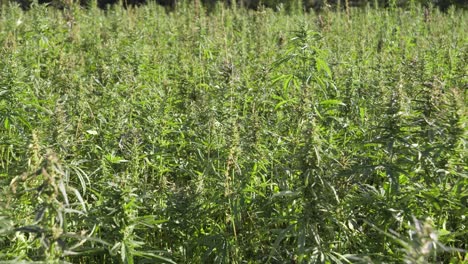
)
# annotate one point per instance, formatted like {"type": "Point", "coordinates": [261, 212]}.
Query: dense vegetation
{"type": "Point", "coordinates": [316, 5]}
{"type": "Point", "coordinates": [140, 136]}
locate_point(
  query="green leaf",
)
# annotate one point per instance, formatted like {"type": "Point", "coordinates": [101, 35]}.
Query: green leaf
{"type": "Point", "coordinates": [280, 104]}
{"type": "Point", "coordinates": [332, 102]}
{"type": "Point", "coordinates": [92, 132]}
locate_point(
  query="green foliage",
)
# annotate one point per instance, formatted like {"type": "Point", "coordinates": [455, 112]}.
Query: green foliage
{"type": "Point", "coordinates": [140, 136]}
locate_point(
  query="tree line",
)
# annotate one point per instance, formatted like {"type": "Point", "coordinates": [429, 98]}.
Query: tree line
{"type": "Point", "coordinates": [317, 5]}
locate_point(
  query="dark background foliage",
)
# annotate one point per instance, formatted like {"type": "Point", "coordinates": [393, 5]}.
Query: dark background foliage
{"type": "Point", "coordinates": [317, 5]}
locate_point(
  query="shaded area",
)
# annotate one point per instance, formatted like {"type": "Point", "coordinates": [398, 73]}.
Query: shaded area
{"type": "Point", "coordinates": [317, 5]}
